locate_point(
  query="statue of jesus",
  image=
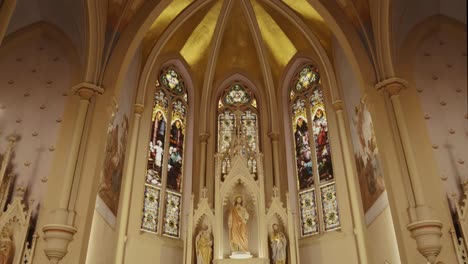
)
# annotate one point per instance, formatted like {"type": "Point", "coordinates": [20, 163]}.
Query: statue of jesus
{"type": "Point", "coordinates": [238, 217]}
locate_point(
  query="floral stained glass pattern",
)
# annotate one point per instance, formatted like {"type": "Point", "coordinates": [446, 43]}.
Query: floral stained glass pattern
{"type": "Point", "coordinates": [331, 219]}
{"type": "Point", "coordinates": [308, 206]}
{"type": "Point", "coordinates": [321, 139]}
{"type": "Point", "coordinates": [172, 80]}
{"type": "Point", "coordinates": [158, 137]}
{"type": "Point", "coordinates": [176, 147]}
{"type": "Point", "coordinates": [151, 209]}
{"type": "Point", "coordinates": [304, 167]}
{"type": "Point", "coordinates": [236, 94]}
{"type": "Point", "coordinates": [226, 126]}
{"type": "Point", "coordinates": [172, 215]}
{"type": "Point", "coordinates": [249, 128]}
{"type": "Point", "coordinates": [306, 78]}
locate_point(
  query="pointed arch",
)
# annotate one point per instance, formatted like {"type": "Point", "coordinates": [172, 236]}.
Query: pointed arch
{"type": "Point", "coordinates": [168, 170]}
{"type": "Point", "coordinates": [307, 127]}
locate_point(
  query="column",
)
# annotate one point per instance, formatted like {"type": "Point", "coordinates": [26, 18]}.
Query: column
{"type": "Point", "coordinates": [128, 185]}
{"type": "Point", "coordinates": [6, 11]}
{"type": "Point", "coordinates": [353, 186]}
{"type": "Point", "coordinates": [424, 228]}
{"type": "Point", "coordinates": [274, 136]}
{"type": "Point", "coordinates": [60, 232]}
{"type": "Point", "coordinates": [203, 144]}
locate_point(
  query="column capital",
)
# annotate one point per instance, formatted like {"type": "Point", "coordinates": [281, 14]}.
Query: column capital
{"type": "Point", "coordinates": [393, 86]}
{"type": "Point", "coordinates": [203, 137]}
{"type": "Point", "coordinates": [87, 90]}
{"type": "Point", "coordinates": [138, 108]}
{"type": "Point", "coordinates": [274, 136]}
{"type": "Point", "coordinates": [338, 105]}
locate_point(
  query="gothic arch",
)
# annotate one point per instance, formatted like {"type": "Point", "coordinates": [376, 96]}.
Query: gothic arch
{"type": "Point", "coordinates": [181, 67]}
{"type": "Point", "coordinates": [293, 68]}
{"type": "Point", "coordinates": [417, 35]}
{"type": "Point", "coordinates": [128, 44]}
{"type": "Point", "coordinates": [52, 32]}
{"type": "Point", "coordinates": [288, 74]}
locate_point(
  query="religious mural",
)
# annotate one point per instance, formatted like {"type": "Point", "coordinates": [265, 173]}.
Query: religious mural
{"type": "Point", "coordinates": [114, 157]}
{"type": "Point", "coordinates": [366, 156]}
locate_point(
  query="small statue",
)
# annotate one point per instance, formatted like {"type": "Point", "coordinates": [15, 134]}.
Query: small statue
{"type": "Point", "coordinates": [203, 245]}
{"type": "Point", "coordinates": [278, 245]}
{"type": "Point", "coordinates": [238, 217]}
{"type": "Point", "coordinates": [6, 246]}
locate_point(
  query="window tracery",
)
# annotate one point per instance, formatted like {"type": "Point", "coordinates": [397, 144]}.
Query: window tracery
{"type": "Point", "coordinates": [315, 179]}
{"type": "Point", "coordinates": [164, 172]}
{"type": "Point", "coordinates": [237, 113]}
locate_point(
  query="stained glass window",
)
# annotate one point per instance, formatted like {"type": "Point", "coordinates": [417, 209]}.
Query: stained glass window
{"type": "Point", "coordinates": [237, 113]}
{"type": "Point", "coordinates": [314, 169]}
{"type": "Point", "coordinates": [164, 171]}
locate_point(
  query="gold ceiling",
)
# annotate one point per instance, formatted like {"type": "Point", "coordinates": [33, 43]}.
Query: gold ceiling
{"type": "Point", "coordinates": [280, 38]}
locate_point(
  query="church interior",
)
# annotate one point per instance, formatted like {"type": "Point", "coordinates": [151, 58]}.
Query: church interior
{"type": "Point", "coordinates": [233, 132]}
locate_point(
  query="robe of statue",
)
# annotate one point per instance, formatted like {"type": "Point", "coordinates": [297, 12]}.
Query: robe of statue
{"type": "Point", "coordinates": [238, 218]}
{"type": "Point", "coordinates": [278, 247]}
{"type": "Point", "coordinates": [203, 244]}
{"type": "Point", "coordinates": [6, 251]}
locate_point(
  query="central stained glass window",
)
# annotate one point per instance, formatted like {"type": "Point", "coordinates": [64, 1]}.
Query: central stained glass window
{"type": "Point", "coordinates": [315, 179]}
{"type": "Point", "coordinates": [164, 172]}
{"type": "Point", "coordinates": [237, 113]}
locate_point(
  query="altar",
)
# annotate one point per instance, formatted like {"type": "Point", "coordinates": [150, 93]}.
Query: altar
{"type": "Point", "coordinates": [240, 227]}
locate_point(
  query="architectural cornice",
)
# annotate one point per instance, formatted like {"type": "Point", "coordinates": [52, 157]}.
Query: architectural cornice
{"type": "Point", "coordinates": [392, 86]}
{"type": "Point", "coordinates": [87, 90]}
{"type": "Point", "coordinates": [138, 108]}
{"type": "Point", "coordinates": [338, 105]}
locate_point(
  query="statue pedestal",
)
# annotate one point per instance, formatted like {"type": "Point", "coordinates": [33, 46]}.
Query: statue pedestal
{"type": "Point", "coordinates": [240, 255]}
{"type": "Point", "coordinates": [241, 261]}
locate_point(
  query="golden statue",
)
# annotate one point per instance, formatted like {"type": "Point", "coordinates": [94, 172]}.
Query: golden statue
{"type": "Point", "coordinates": [278, 245]}
{"type": "Point", "coordinates": [203, 245]}
{"type": "Point", "coordinates": [6, 247]}
{"type": "Point", "coordinates": [238, 217]}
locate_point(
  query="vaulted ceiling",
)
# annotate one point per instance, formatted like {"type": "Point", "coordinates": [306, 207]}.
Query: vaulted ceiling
{"type": "Point", "coordinates": [253, 37]}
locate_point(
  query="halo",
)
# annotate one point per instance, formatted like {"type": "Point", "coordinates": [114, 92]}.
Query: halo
{"type": "Point", "coordinates": [234, 198]}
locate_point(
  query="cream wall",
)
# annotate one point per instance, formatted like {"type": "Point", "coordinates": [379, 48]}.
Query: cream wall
{"type": "Point", "coordinates": [101, 247]}
{"type": "Point", "coordinates": [334, 248]}
{"type": "Point", "coordinates": [382, 244]}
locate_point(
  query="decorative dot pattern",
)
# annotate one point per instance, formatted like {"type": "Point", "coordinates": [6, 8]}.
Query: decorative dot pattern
{"type": "Point", "coordinates": [32, 81]}
{"type": "Point", "coordinates": [441, 83]}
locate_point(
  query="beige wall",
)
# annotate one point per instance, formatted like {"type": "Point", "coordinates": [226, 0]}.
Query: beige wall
{"type": "Point", "coordinates": [439, 74]}
{"type": "Point", "coordinates": [36, 73]}
{"type": "Point", "coordinates": [101, 247]}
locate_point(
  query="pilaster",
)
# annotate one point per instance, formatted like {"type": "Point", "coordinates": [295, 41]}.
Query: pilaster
{"type": "Point", "coordinates": [127, 187]}
{"type": "Point", "coordinates": [423, 226]}
{"type": "Point", "coordinates": [203, 138]}
{"type": "Point", "coordinates": [353, 187]}
{"type": "Point", "coordinates": [274, 136]}
{"type": "Point", "coordinates": [59, 232]}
